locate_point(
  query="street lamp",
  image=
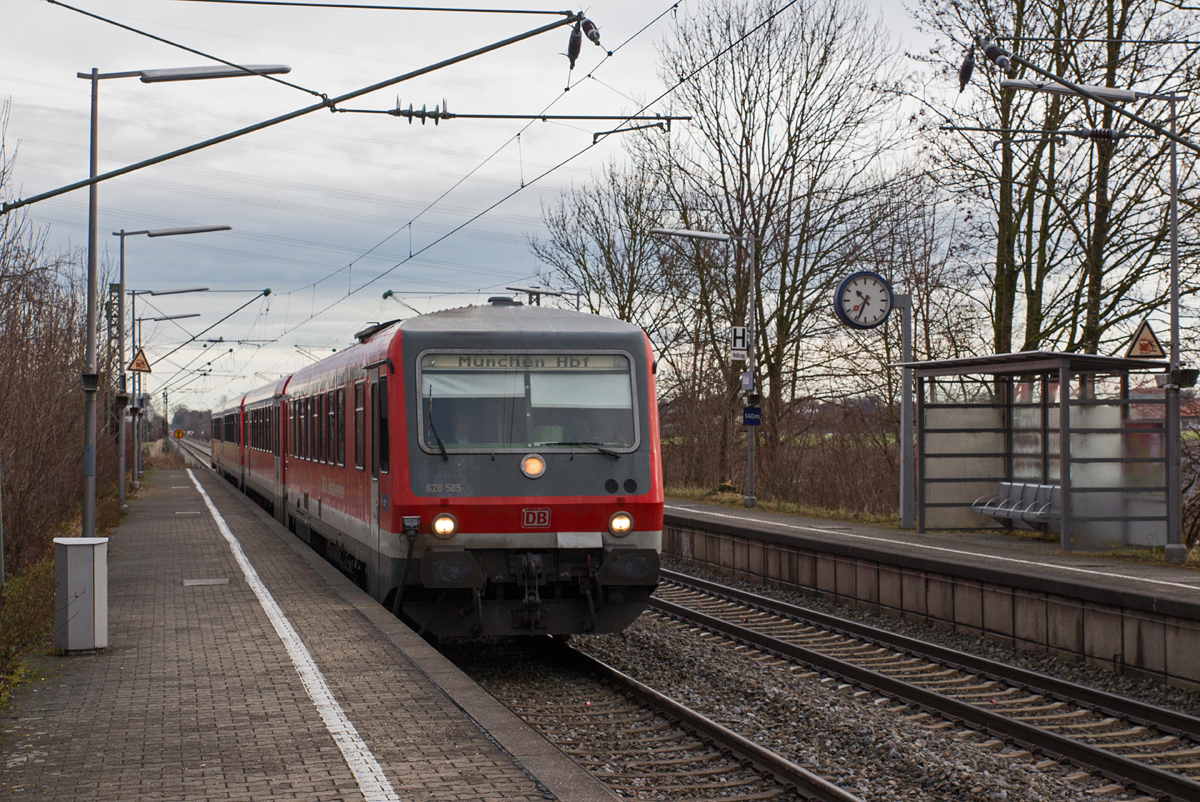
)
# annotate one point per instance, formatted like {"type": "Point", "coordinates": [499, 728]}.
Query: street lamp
{"type": "Point", "coordinates": [91, 376]}
{"type": "Point", "coordinates": [1175, 551]}
{"type": "Point", "coordinates": [750, 241]}
{"type": "Point", "coordinates": [122, 394]}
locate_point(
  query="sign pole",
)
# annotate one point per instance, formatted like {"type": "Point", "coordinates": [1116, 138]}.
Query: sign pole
{"type": "Point", "coordinates": [750, 500]}
{"type": "Point", "coordinates": [903, 302]}
{"type": "Point", "coordinates": [1176, 550]}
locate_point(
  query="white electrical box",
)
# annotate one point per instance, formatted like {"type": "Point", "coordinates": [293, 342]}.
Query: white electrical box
{"type": "Point", "coordinates": [80, 593]}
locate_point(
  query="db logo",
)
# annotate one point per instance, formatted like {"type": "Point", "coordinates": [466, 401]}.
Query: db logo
{"type": "Point", "coordinates": [535, 518]}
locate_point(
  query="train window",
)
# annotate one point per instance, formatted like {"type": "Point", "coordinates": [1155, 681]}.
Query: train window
{"type": "Point", "coordinates": [275, 424]}
{"type": "Point", "coordinates": [331, 426]}
{"type": "Point", "coordinates": [341, 426]}
{"type": "Point", "coordinates": [375, 429]}
{"type": "Point", "coordinates": [381, 424]}
{"type": "Point", "coordinates": [310, 408]}
{"type": "Point", "coordinates": [313, 434]}
{"type": "Point", "coordinates": [359, 424]}
{"type": "Point", "coordinates": [322, 446]}
{"type": "Point", "coordinates": [301, 449]}
{"type": "Point", "coordinates": [302, 413]}
{"type": "Point", "coordinates": [319, 425]}
{"type": "Point", "coordinates": [476, 402]}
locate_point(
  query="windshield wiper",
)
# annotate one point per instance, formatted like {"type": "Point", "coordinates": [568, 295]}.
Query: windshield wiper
{"type": "Point", "coordinates": [441, 445]}
{"type": "Point", "coordinates": [597, 446]}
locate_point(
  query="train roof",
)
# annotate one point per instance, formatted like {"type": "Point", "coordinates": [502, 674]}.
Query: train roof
{"type": "Point", "coordinates": [504, 314]}
{"type": "Point", "coordinates": [232, 405]}
{"type": "Point", "coordinates": [266, 392]}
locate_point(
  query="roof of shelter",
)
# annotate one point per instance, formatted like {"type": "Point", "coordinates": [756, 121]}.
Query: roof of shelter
{"type": "Point", "coordinates": [1033, 362]}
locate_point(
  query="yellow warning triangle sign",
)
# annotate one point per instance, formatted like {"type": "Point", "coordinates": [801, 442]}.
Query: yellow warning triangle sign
{"type": "Point", "coordinates": [140, 364]}
{"type": "Point", "coordinates": [1144, 344]}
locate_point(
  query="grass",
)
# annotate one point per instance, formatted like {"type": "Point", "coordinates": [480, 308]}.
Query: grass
{"type": "Point", "coordinates": [27, 602]}
{"type": "Point", "coordinates": [727, 498]}
{"type": "Point", "coordinates": [26, 616]}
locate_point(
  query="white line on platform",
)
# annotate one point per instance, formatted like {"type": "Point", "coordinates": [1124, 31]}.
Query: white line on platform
{"type": "Point", "coordinates": [955, 552]}
{"type": "Point", "coordinates": [371, 780]}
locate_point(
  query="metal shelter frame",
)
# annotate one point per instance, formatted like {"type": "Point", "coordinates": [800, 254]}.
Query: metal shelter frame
{"type": "Point", "coordinates": [1024, 394]}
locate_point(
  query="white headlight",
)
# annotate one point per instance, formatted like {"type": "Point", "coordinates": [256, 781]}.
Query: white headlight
{"type": "Point", "coordinates": [533, 466]}
{"type": "Point", "coordinates": [444, 525]}
{"type": "Point", "coordinates": [620, 524]}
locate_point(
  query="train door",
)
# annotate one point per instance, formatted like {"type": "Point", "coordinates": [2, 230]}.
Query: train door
{"type": "Point", "coordinates": [375, 414]}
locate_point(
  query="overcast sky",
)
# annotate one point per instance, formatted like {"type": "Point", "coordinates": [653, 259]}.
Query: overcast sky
{"type": "Point", "coordinates": [320, 205]}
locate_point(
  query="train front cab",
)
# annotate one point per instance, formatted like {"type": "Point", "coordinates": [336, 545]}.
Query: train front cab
{"type": "Point", "coordinates": [527, 483]}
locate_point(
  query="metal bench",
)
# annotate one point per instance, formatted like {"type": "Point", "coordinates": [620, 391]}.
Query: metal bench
{"type": "Point", "coordinates": [1037, 506]}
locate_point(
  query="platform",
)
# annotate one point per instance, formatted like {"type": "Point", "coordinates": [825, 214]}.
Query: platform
{"type": "Point", "coordinates": [1125, 615]}
{"type": "Point", "coordinates": [242, 666]}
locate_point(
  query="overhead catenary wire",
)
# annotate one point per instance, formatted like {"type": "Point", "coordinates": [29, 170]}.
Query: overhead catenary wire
{"type": "Point", "coordinates": [193, 51]}
{"type": "Point", "coordinates": [487, 159]}
{"type": "Point", "coordinates": [553, 168]}
{"type": "Point", "coordinates": [371, 7]}
{"type": "Point", "coordinates": [262, 294]}
{"type": "Point", "coordinates": [7, 206]}
{"type": "Point", "coordinates": [316, 313]}
{"type": "Point", "coordinates": [539, 177]}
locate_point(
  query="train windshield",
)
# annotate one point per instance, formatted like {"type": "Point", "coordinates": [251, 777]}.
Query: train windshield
{"type": "Point", "coordinates": [489, 401]}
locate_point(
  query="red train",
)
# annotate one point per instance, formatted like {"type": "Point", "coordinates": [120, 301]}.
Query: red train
{"type": "Point", "coordinates": [491, 470]}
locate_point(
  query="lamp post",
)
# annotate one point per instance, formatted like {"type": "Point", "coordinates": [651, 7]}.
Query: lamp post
{"type": "Point", "coordinates": [122, 393]}
{"type": "Point", "coordinates": [137, 331]}
{"type": "Point", "coordinates": [91, 377]}
{"type": "Point", "coordinates": [1175, 551]}
{"type": "Point", "coordinates": [750, 240]}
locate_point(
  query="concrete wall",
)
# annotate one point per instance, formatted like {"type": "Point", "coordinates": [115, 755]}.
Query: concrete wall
{"type": "Point", "coordinates": [1125, 636]}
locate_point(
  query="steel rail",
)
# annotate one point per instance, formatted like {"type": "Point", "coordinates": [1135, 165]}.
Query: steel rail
{"type": "Point", "coordinates": [1148, 778]}
{"type": "Point", "coordinates": [1169, 721]}
{"type": "Point", "coordinates": [808, 784]}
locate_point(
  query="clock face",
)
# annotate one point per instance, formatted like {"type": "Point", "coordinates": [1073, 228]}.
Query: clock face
{"type": "Point", "coordinates": [863, 300]}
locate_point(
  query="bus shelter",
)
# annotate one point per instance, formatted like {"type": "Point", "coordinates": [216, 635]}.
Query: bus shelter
{"type": "Point", "coordinates": [991, 450]}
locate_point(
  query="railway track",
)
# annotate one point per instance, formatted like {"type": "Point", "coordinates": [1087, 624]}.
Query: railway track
{"type": "Point", "coordinates": [640, 743]}
{"type": "Point", "coordinates": [1153, 749]}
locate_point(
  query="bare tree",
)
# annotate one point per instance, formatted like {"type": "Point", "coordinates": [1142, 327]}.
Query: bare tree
{"type": "Point", "coordinates": [1077, 227]}
{"type": "Point", "coordinates": [599, 245]}
{"type": "Point", "coordinates": [789, 120]}
{"type": "Point", "coordinates": [42, 328]}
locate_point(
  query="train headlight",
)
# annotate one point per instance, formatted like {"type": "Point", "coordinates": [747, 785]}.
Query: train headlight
{"type": "Point", "coordinates": [444, 525]}
{"type": "Point", "coordinates": [533, 466]}
{"type": "Point", "coordinates": [620, 524]}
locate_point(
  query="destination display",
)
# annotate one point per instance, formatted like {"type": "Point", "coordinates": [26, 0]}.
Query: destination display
{"type": "Point", "coordinates": [540, 362]}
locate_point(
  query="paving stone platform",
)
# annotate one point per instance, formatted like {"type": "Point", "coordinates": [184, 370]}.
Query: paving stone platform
{"type": "Point", "coordinates": [197, 696]}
